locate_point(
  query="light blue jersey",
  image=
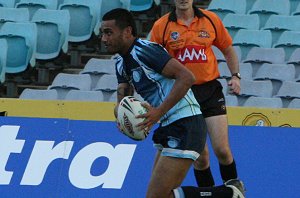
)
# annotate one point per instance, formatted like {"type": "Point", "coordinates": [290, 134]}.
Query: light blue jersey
{"type": "Point", "coordinates": [142, 67]}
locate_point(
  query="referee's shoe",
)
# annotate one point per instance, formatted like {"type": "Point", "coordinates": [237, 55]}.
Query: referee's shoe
{"type": "Point", "coordinates": [237, 187]}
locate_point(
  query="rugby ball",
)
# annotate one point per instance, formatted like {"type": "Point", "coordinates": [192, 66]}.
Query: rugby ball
{"type": "Point", "coordinates": [128, 109]}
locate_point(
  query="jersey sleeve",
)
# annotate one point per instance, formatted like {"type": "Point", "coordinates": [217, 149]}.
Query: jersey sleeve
{"type": "Point", "coordinates": [157, 30]}
{"type": "Point", "coordinates": [119, 71]}
{"type": "Point", "coordinates": [154, 56]}
{"type": "Point", "coordinates": [155, 34]}
{"type": "Point", "coordinates": [223, 39]}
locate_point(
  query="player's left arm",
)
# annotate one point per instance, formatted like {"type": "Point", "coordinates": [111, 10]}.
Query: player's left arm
{"type": "Point", "coordinates": [184, 79]}
{"type": "Point", "coordinates": [233, 65]}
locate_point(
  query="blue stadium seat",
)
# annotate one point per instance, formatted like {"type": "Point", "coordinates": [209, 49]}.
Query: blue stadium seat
{"type": "Point", "coordinates": [96, 68]}
{"type": "Point", "coordinates": [140, 5]}
{"type": "Point", "coordinates": [231, 100]}
{"type": "Point", "coordinates": [224, 71]}
{"type": "Point", "coordinates": [21, 40]}
{"type": "Point", "coordinates": [78, 95]}
{"type": "Point", "coordinates": [294, 5]}
{"type": "Point", "coordinates": [246, 71]}
{"type": "Point", "coordinates": [257, 56]}
{"type": "Point", "coordinates": [34, 5]}
{"type": "Point", "coordinates": [38, 94]}
{"type": "Point", "coordinates": [59, 2]}
{"type": "Point", "coordinates": [222, 8]}
{"type": "Point", "coordinates": [277, 73]}
{"type": "Point", "coordinates": [235, 22]}
{"type": "Point", "coordinates": [262, 102]}
{"type": "Point", "coordinates": [107, 84]}
{"type": "Point", "coordinates": [3, 55]}
{"type": "Point", "coordinates": [266, 8]}
{"type": "Point", "coordinates": [7, 3]}
{"type": "Point", "coordinates": [220, 57]}
{"type": "Point", "coordinates": [84, 16]}
{"type": "Point", "coordinates": [63, 83]}
{"type": "Point", "coordinates": [277, 24]}
{"type": "Point", "coordinates": [294, 104]}
{"type": "Point", "coordinates": [296, 9]}
{"type": "Point", "coordinates": [289, 41]}
{"type": "Point", "coordinates": [13, 15]}
{"type": "Point", "coordinates": [288, 91]}
{"type": "Point", "coordinates": [249, 88]}
{"type": "Point", "coordinates": [249, 4]}
{"type": "Point", "coordinates": [248, 39]}
{"type": "Point", "coordinates": [53, 25]}
{"type": "Point", "coordinates": [295, 60]}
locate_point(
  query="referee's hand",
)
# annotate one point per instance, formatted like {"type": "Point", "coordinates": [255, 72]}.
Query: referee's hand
{"type": "Point", "coordinates": [234, 85]}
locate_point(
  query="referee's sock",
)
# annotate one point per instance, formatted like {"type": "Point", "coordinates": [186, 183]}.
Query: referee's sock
{"type": "Point", "coordinates": [204, 177]}
{"type": "Point", "coordinates": [228, 172]}
{"type": "Point", "coordinates": [203, 192]}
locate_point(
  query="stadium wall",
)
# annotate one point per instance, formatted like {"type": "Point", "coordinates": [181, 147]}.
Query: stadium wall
{"type": "Point", "coordinates": [78, 110]}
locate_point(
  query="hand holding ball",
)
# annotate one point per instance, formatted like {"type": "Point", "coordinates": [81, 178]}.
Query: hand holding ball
{"type": "Point", "coordinates": [128, 109]}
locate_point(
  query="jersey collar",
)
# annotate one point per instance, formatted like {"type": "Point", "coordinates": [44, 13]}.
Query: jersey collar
{"type": "Point", "coordinates": [130, 48]}
{"type": "Point", "coordinates": [173, 17]}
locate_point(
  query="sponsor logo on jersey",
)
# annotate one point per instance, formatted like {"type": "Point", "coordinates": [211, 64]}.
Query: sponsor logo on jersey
{"type": "Point", "coordinates": [173, 142]}
{"type": "Point", "coordinates": [192, 54]}
{"type": "Point", "coordinates": [174, 35]}
{"type": "Point", "coordinates": [203, 34]}
{"type": "Point", "coordinates": [136, 75]}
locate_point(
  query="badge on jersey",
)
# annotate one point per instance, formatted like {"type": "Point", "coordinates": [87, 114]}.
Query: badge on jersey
{"type": "Point", "coordinates": [203, 34]}
{"type": "Point", "coordinates": [175, 35]}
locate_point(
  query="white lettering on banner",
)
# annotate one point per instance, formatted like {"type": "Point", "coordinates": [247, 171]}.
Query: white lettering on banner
{"type": "Point", "coordinates": [44, 153]}
{"type": "Point", "coordinates": [119, 161]}
{"type": "Point", "coordinates": [8, 145]}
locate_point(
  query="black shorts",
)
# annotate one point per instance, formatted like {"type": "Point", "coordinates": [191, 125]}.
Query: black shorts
{"type": "Point", "coordinates": [211, 98]}
{"type": "Point", "coordinates": [184, 138]}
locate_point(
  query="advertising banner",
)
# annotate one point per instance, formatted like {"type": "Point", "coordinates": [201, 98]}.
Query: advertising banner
{"type": "Point", "coordinates": [61, 158]}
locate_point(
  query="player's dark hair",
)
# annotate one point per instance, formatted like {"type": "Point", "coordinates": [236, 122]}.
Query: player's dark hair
{"type": "Point", "coordinates": [123, 19]}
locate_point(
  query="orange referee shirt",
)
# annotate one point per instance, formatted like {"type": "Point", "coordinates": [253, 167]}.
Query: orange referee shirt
{"type": "Point", "coordinates": [191, 45]}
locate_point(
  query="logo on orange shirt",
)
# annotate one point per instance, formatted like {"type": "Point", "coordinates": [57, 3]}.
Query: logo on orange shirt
{"type": "Point", "coordinates": [175, 35]}
{"type": "Point", "coordinates": [192, 54]}
{"type": "Point", "coordinates": [203, 34]}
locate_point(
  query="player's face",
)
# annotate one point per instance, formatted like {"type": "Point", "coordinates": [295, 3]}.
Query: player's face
{"type": "Point", "coordinates": [112, 37]}
{"type": "Point", "coordinates": [183, 4]}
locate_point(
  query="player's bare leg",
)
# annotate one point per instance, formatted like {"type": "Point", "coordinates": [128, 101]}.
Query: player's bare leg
{"type": "Point", "coordinates": [218, 134]}
{"type": "Point", "coordinates": [167, 175]}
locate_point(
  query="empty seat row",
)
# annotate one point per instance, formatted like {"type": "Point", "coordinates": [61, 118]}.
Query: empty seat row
{"type": "Point", "coordinates": [247, 39]}
{"type": "Point", "coordinates": [280, 72]}
{"type": "Point", "coordinates": [275, 23]}
{"type": "Point", "coordinates": [264, 88]}
{"type": "Point", "coordinates": [3, 56]}
{"type": "Point", "coordinates": [262, 102]}
{"type": "Point", "coordinates": [85, 15]}
{"type": "Point", "coordinates": [106, 91]}
{"type": "Point", "coordinates": [63, 83]}
{"type": "Point", "coordinates": [44, 37]}
{"type": "Point", "coordinates": [133, 5]}
{"type": "Point", "coordinates": [259, 55]}
{"type": "Point", "coordinates": [72, 95]}
{"type": "Point", "coordinates": [264, 8]}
